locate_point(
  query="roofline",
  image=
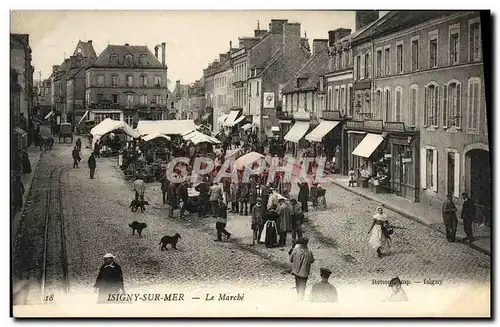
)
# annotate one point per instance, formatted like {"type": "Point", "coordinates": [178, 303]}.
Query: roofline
{"type": "Point", "coordinates": [303, 67]}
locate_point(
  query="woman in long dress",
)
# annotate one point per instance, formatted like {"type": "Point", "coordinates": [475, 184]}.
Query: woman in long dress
{"type": "Point", "coordinates": [269, 234]}
{"type": "Point", "coordinates": [378, 240]}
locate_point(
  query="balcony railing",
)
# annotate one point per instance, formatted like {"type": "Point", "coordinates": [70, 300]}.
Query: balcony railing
{"type": "Point", "coordinates": [380, 125]}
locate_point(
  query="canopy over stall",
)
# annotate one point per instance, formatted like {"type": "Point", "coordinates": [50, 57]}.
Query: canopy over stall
{"type": "Point", "coordinates": [247, 160]}
{"type": "Point", "coordinates": [368, 145]}
{"type": "Point", "coordinates": [233, 118]}
{"type": "Point", "coordinates": [236, 153]}
{"type": "Point", "coordinates": [109, 125]}
{"type": "Point", "coordinates": [246, 127]}
{"type": "Point", "coordinates": [165, 127]}
{"type": "Point", "coordinates": [198, 137]}
{"type": "Point", "coordinates": [321, 130]}
{"type": "Point", "coordinates": [153, 136]}
{"type": "Point", "coordinates": [298, 130]}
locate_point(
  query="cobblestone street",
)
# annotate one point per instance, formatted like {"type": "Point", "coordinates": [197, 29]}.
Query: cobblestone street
{"type": "Point", "coordinates": [96, 216]}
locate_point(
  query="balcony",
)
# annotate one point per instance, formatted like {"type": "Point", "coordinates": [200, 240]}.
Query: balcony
{"type": "Point", "coordinates": [379, 125]}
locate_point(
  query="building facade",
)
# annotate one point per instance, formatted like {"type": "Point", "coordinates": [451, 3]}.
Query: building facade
{"type": "Point", "coordinates": [127, 83]}
{"type": "Point", "coordinates": [428, 96]}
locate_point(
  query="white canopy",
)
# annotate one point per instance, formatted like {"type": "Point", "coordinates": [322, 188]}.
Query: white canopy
{"type": "Point", "coordinates": [109, 125]}
{"type": "Point", "coordinates": [165, 127]}
{"type": "Point", "coordinates": [153, 136]}
{"type": "Point", "coordinates": [321, 130]}
{"type": "Point", "coordinates": [83, 117]}
{"type": "Point", "coordinates": [298, 130]}
{"type": "Point", "coordinates": [48, 115]}
{"type": "Point", "coordinates": [198, 137]}
{"type": "Point", "coordinates": [246, 127]}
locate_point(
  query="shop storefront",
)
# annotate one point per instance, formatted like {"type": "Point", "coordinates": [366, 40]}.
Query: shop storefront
{"type": "Point", "coordinates": [385, 157]}
{"type": "Point", "coordinates": [295, 136]}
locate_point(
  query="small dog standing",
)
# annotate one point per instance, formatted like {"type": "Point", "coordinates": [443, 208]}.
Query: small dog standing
{"type": "Point", "coordinates": [136, 204]}
{"type": "Point", "coordinates": [172, 240]}
{"type": "Point", "coordinates": [137, 226]}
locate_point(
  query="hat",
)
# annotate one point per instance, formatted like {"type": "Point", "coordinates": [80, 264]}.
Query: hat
{"type": "Point", "coordinates": [325, 271]}
{"type": "Point", "coordinates": [109, 255]}
{"type": "Point", "coordinates": [395, 282]}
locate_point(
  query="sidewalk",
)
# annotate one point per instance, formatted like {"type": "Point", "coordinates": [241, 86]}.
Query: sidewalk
{"type": "Point", "coordinates": [427, 216]}
{"type": "Point", "coordinates": [34, 154]}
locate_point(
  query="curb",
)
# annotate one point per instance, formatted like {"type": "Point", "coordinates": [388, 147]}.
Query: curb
{"type": "Point", "coordinates": [404, 214]}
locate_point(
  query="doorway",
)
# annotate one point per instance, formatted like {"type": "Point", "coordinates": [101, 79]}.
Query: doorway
{"type": "Point", "coordinates": [451, 172]}
{"type": "Point", "coordinates": [480, 184]}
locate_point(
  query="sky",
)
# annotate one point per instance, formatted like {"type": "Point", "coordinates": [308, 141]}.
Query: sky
{"type": "Point", "coordinates": [193, 38]}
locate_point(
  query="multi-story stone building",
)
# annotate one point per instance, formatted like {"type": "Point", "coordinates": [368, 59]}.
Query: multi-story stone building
{"type": "Point", "coordinates": [20, 62]}
{"type": "Point", "coordinates": [43, 100]}
{"type": "Point", "coordinates": [196, 102]}
{"type": "Point", "coordinates": [181, 98]}
{"type": "Point", "coordinates": [128, 83]}
{"type": "Point", "coordinates": [304, 98]}
{"type": "Point", "coordinates": [270, 63]}
{"type": "Point", "coordinates": [428, 109]}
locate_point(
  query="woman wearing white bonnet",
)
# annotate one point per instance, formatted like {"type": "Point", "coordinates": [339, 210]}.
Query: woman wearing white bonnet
{"type": "Point", "coordinates": [378, 240]}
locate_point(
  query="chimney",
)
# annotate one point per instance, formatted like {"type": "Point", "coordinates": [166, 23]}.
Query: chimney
{"type": "Point", "coordinates": [156, 52]}
{"type": "Point", "coordinates": [230, 45]}
{"type": "Point", "coordinates": [126, 44]}
{"type": "Point", "coordinates": [335, 35]}
{"type": "Point", "coordinates": [331, 38]}
{"type": "Point", "coordinates": [163, 46]}
{"type": "Point", "coordinates": [320, 45]}
{"type": "Point", "coordinates": [365, 17]}
{"type": "Point", "coordinates": [277, 25]}
{"type": "Point", "coordinates": [89, 42]}
{"type": "Point", "coordinates": [291, 35]}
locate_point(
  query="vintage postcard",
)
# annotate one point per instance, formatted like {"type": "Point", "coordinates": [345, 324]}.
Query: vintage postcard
{"type": "Point", "coordinates": [250, 163]}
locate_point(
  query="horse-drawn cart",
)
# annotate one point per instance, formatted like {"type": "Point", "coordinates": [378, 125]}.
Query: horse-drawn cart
{"type": "Point", "coordinates": [66, 131]}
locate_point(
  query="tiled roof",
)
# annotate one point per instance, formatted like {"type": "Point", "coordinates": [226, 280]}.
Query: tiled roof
{"type": "Point", "coordinates": [277, 55]}
{"type": "Point", "coordinates": [87, 49]}
{"type": "Point", "coordinates": [315, 67]}
{"type": "Point", "coordinates": [121, 51]}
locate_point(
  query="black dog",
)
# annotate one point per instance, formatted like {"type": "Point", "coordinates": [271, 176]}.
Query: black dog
{"type": "Point", "coordinates": [136, 204]}
{"type": "Point", "coordinates": [137, 226]}
{"type": "Point", "coordinates": [172, 240]}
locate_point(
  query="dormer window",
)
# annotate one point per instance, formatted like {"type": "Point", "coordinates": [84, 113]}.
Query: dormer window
{"type": "Point", "coordinates": [144, 60]}
{"type": "Point", "coordinates": [113, 59]}
{"type": "Point", "coordinates": [129, 60]}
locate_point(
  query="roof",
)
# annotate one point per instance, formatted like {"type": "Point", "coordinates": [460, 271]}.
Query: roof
{"type": "Point", "coordinates": [315, 67]}
{"type": "Point", "coordinates": [277, 55]}
{"type": "Point", "coordinates": [121, 51]}
{"type": "Point", "coordinates": [87, 49]}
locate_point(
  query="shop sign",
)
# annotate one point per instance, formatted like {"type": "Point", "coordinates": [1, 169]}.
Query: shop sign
{"type": "Point", "coordinates": [331, 115]}
{"type": "Point", "coordinates": [394, 126]}
{"type": "Point", "coordinates": [373, 124]}
{"type": "Point", "coordinates": [388, 155]}
{"type": "Point", "coordinates": [406, 160]}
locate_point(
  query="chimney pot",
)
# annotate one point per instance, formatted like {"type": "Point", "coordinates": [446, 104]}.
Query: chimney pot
{"type": "Point", "coordinates": [230, 44]}
{"type": "Point", "coordinates": [163, 46]}
{"type": "Point", "coordinates": [126, 44]}
{"type": "Point", "coordinates": [89, 42]}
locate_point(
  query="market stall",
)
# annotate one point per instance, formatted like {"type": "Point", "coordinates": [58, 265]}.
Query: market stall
{"type": "Point", "coordinates": [165, 127]}
{"type": "Point", "coordinates": [109, 125]}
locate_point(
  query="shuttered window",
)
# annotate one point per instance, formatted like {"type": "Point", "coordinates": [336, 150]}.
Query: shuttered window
{"type": "Point", "coordinates": [473, 104]}
{"type": "Point", "coordinates": [413, 105]}
{"type": "Point", "coordinates": [397, 107]}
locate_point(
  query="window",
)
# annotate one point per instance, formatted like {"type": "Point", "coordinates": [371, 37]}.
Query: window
{"type": "Point", "coordinates": [115, 98]}
{"type": "Point", "coordinates": [430, 170]}
{"type": "Point", "coordinates": [358, 67]}
{"type": "Point", "coordinates": [367, 65]}
{"type": "Point", "coordinates": [130, 101]}
{"type": "Point", "coordinates": [452, 105]}
{"type": "Point", "coordinates": [330, 95]}
{"type": "Point", "coordinates": [378, 104]}
{"type": "Point", "coordinates": [100, 97]}
{"type": "Point", "coordinates": [143, 60]}
{"type": "Point", "coordinates": [257, 88]}
{"type": "Point", "coordinates": [129, 119]}
{"type": "Point", "coordinates": [397, 104]}
{"type": "Point", "coordinates": [130, 80]}
{"type": "Point", "coordinates": [336, 99]}
{"type": "Point", "coordinates": [473, 104]}
{"type": "Point", "coordinates": [413, 105]}
{"type": "Point", "coordinates": [433, 49]}
{"type": "Point", "coordinates": [399, 58]}
{"type": "Point", "coordinates": [350, 95]}
{"type": "Point", "coordinates": [88, 79]}
{"type": "Point", "coordinates": [157, 81]}
{"type": "Point", "coordinates": [157, 99]}
{"type": "Point", "coordinates": [250, 88]}
{"type": "Point", "coordinates": [388, 107]}
{"type": "Point", "coordinates": [113, 60]}
{"type": "Point", "coordinates": [100, 80]}
{"type": "Point", "coordinates": [431, 105]}
{"type": "Point", "coordinates": [453, 172]}
{"type": "Point", "coordinates": [144, 81]}
{"type": "Point", "coordinates": [474, 40]}
{"type": "Point", "coordinates": [454, 42]}
{"type": "Point", "coordinates": [414, 54]}
{"type": "Point", "coordinates": [87, 97]}
{"type": "Point", "coordinates": [114, 80]}
{"type": "Point", "coordinates": [129, 61]}
{"type": "Point", "coordinates": [387, 60]}
{"type": "Point", "coordinates": [379, 63]}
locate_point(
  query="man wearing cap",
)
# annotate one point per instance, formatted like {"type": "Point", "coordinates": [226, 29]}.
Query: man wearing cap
{"type": "Point", "coordinates": [301, 259]}
{"type": "Point", "coordinates": [110, 279]}
{"type": "Point", "coordinates": [297, 219]}
{"type": "Point", "coordinates": [324, 291]}
{"type": "Point", "coordinates": [257, 221]}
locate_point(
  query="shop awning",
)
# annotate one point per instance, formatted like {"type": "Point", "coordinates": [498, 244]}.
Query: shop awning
{"type": "Point", "coordinates": [321, 130]}
{"type": "Point", "coordinates": [49, 115]}
{"type": "Point", "coordinates": [298, 130]}
{"type": "Point", "coordinates": [19, 131]}
{"type": "Point", "coordinates": [247, 159]}
{"type": "Point", "coordinates": [198, 137]}
{"type": "Point", "coordinates": [275, 128]}
{"type": "Point", "coordinates": [285, 121]}
{"type": "Point", "coordinates": [83, 117]}
{"type": "Point", "coordinates": [246, 127]}
{"type": "Point", "coordinates": [165, 127]}
{"type": "Point", "coordinates": [239, 120]}
{"type": "Point", "coordinates": [155, 135]}
{"type": "Point", "coordinates": [368, 145]}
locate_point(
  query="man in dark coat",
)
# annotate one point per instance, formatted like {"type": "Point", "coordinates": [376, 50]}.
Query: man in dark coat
{"type": "Point", "coordinates": [324, 291]}
{"type": "Point", "coordinates": [76, 157]}
{"type": "Point", "coordinates": [303, 196]}
{"type": "Point", "coordinates": [164, 186]}
{"type": "Point", "coordinates": [468, 215]}
{"type": "Point", "coordinates": [204, 206]}
{"type": "Point", "coordinates": [79, 144]}
{"type": "Point", "coordinates": [92, 165]}
{"type": "Point", "coordinates": [171, 198]}
{"type": "Point", "coordinates": [221, 222]}
{"type": "Point", "coordinates": [109, 280]}
{"type": "Point", "coordinates": [450, 218]}
{"type": "Point", "coordinates": [184, 197]}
